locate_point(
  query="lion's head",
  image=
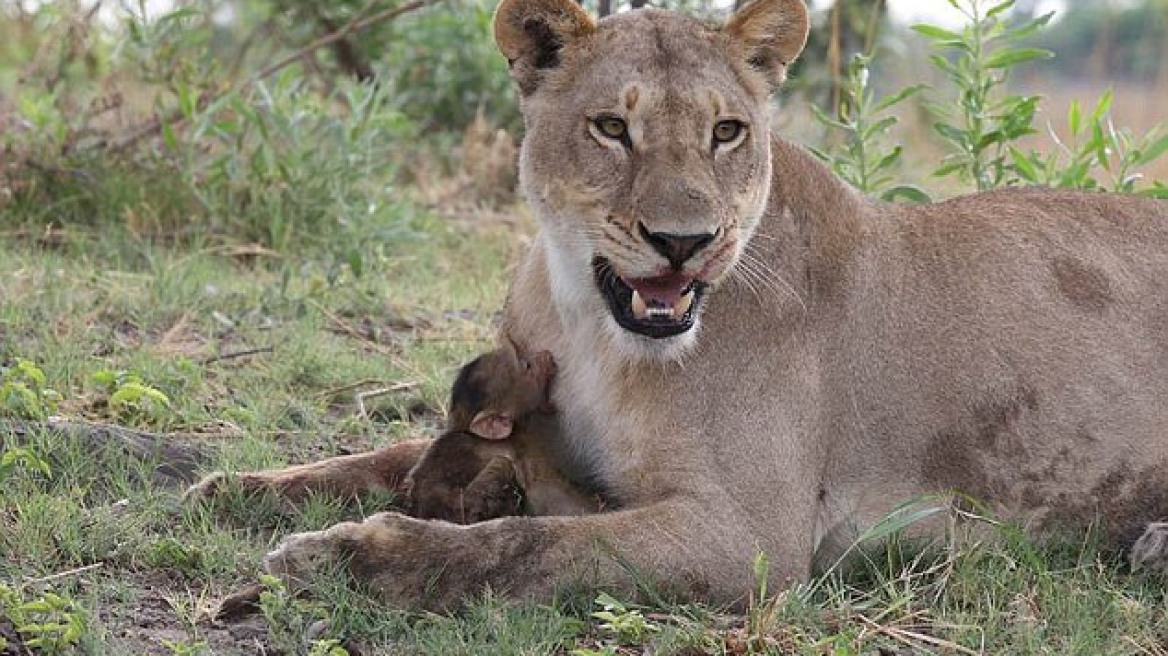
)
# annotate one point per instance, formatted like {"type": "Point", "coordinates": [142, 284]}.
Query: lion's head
{"type": "Point", "coordinates": [647, 152]}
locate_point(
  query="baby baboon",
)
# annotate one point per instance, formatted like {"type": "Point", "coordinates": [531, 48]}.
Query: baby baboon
{"type": "Point", "coordinates": [497, 456]}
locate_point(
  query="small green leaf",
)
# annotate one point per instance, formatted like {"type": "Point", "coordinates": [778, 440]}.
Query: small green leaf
{"type": "Point", "coordinates": [945, 66]}
{"type": "Point", "coordinates": [169, 136]}
{"type": "Point", "coordinates": [826, 120]}
{"type": "Point", "coordinates": [105, 377]}
{"type": "Point", "coordinates": [38, 606]}
{"type": "Point", "coordinates": [1103, 106]}
{"type": "Point", "coordinates": [909, 193]}
{"type": "Point", "coordinates": [1153, 152]}
{"type": "Point", "coordinates": [902, 517]}
{"type": "Point", "coordinates": [952, 134]}
{"type": "Point", "coordinates": [990, 138]}
{"type": "Point", "coordinates": [1075, 118]}
{"type": "Point", "coordinates": [949, 169]}
{"type": "Point", "coordinates": [187, 100]}
{"type": "Point", "coordinates": [177, 15]}
{"type": "Point", "coordinates": [883, 125]}
{"type": "Point", "coordinates": [1013, 56]}
{"type": "Point", "coordinates": [819, 153]}
{"type": "Point", "coordinates": [356, 263]}
{"type": "Point", "coordinates": [1102, 157]}
{"type": "Point", "coordinates": [890, 159]}
{"type": "Point", "coordinates": [1023, 165]}
{"type": "Point", "coordinates": [936, 33]}
{"type": "Point", "coordinates": [607, 601]}
{"type": "Point", "coordinates": [1025, 30]}
{"type": "Point", "coordinates": [994, 11]}
{"type": "Point", "coordinates": [899, 96]}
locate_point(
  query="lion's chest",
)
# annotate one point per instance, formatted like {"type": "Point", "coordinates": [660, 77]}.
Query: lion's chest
{"type": "Point", "coordinates": [609, 439]}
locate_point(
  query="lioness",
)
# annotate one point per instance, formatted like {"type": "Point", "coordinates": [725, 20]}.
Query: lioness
{"type": "Point", "coordinates": [752, 356]}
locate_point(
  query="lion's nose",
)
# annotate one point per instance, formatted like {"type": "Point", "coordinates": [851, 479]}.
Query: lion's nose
{"type": "Point", "coordinates": [676, 248]}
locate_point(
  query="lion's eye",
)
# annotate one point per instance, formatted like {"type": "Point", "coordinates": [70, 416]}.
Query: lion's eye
{"type": "Point", "coordinates": [611, 127]}
{"type": "Point", "coordinates": [727, 131]}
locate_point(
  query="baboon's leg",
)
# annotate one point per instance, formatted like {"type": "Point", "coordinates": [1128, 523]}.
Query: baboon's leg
{"type": "Point", "coordinates": [344, 476]}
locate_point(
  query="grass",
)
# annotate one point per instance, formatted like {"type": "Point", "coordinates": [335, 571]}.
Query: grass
{"type": "Point", "coordinates": [118, 557]}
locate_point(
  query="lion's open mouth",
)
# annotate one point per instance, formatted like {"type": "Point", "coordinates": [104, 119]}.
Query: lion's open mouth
{"type": "Point", "coordinates": [658, 307]}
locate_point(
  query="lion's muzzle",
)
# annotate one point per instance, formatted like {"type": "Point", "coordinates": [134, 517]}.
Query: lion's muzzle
{"type": "Point", "coordinates": [658, 307]}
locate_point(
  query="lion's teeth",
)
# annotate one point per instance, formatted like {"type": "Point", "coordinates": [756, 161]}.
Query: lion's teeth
{"type": "Point", "coordinates": [683, 303]}
{"type": "Point", "coordinates": [640, 309]}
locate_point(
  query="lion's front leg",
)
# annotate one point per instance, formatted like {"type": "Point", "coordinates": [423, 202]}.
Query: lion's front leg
{"type": "Point", "coordinates": [411, 563]}
{"type": "Point", "coordinates": [437, 565]}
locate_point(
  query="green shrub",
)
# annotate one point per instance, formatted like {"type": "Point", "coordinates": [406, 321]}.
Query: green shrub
{"type": "Point", "coordinates": [863, 159]}
{"type": "Point", "coordinates": [980, 125]}
{"type": "Point", "coordinates": [23, 392]}
{"type": "Point", "coordinates": [443, 68]}
{"type": "Point", "coordinates": [213, 149]}
{"type": "Point", "coordinates": [132, 399]}
{"type": "Point", "coordinates": [47, 623]}
{"type": "Point", "coordinates": [983, 131]}
{"type": "Point", "coordinates": [983, 127]}
{"type": "Point", "coordinates": [280, 163]}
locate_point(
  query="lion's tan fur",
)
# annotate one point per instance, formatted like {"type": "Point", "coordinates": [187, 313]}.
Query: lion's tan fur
{"type": "Point", "coordinates": [1011, 345]}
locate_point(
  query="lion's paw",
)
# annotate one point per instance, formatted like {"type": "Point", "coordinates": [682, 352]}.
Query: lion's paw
{"type": "Point", "coordinates": [301, 554]}
{"type": "Point", "coordinates": [1151, 550]}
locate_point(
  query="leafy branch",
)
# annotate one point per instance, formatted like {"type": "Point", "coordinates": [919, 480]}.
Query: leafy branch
{"type": "Point", "coordinates": [980, 126]}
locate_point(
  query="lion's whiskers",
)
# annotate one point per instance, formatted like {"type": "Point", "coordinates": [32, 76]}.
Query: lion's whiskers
{"type": "Point", "coordinates": [751, 266]}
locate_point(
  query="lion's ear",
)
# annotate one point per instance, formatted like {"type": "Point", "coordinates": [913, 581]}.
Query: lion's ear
{"type": "Point", "coordinates": [492, 425]}
{"type": "Point", "coordinates": [531, 34]}
{"type": "Point", "coordinates": [772, 33]}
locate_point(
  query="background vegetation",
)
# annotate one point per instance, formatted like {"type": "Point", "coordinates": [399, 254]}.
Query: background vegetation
{"type": "Point", "coordinates": [271, 229]}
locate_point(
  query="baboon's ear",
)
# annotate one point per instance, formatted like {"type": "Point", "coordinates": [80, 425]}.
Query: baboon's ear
{"type": "Point", "coordinates": [531, 33]}
{"type": "Point", "coordinates": [771, 33]}
{"type": "Point", "coordinates": [492, 425]}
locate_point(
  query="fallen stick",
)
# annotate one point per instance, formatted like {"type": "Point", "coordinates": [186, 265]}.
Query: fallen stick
{"type": "Point", "coordinates": [176, 462]}
{"type": "Point", "coordinates": [372, 394]}
{"type": "Point", "coordinates": [235, 354]}
{"type": "Point", "coordinates": [66, 573]}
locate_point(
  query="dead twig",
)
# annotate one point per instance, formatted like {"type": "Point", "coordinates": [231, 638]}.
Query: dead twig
{"type": "Point", "coordinates": [65, 574]}
{"type": "Point", "coordinates": [1150, 650]}
{"type": "Point", "coordinates": [154, 127]}
{"type": "Point", "coordinates": [347, 387]}
{"type": "Point", "coordinates": [916, 640]}
{"type": "Point", "coordinates": [235, 354]}
{"type": "Point", "coordinates": [242, 250]}
{"type": "Point", "coordinates": [372, 394]}
{"type": "Point", "coordinates": [350, 59]}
